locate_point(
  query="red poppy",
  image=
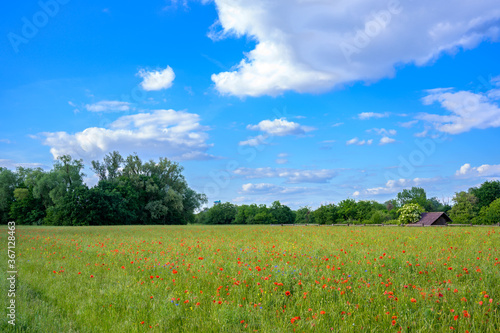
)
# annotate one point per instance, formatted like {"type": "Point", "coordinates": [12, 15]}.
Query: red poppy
{"type": "Point", "coordinates": [287, 293]}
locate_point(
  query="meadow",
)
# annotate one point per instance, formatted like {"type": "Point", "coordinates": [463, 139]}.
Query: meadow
{"type": "Point", "coordinates": [254, 279]}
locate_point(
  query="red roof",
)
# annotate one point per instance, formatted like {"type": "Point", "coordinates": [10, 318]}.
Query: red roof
{"type": "Point", "coordinates": [430, 218]}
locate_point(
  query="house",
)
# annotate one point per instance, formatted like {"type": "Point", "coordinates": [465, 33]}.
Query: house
{"type": "Point", "coordinates": [434, 218]}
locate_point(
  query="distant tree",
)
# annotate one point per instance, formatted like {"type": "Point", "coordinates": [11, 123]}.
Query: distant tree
{"type": "Point", "coordinates": [282, 213]}
{"type": "Point", "coordinates": [304, 215]}
{"type": "Point", "coordinates": [348, 210]}
{"type": "Point", "coordinates": [410, 213]}
{"type": "Point", "coordinates": [8, 183]}
{"type": "Point", "coordinates": [326, 214]}
{"type": "Point", "coordinates": [489, 214]}
{"type": "Point", "coordinates": [464, 208]}
{"type": "Point", "coordinates": [488, 192]}
{"type": "Point", "coordinates": [223, 213]}
{"type": "Point", "coordinates": [415, 195]}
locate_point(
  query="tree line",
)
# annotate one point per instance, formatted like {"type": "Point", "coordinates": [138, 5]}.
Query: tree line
{"type": "Point", "coordinates": [129, 191]}
{"type": "Point", "coordinates": [480, 205]}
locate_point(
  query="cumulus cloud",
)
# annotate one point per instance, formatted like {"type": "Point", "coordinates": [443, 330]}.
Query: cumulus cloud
{"type": "Point", "coordinates": [408, 124]}
{"type": "Point", "coordinates": [382, 131]}
{"type": "Point", "coordinates": [313, 46]}
{"type": "Point", "coordinates": [10, 164]}
{"type": "Point", "coordinates": [394, 186]}
{"type": "Point", "coordinates": [280, 127]}
{"type": "Point", "coordinates": [108, 106]}
{"type": "Point", "coordinates": [485, 170]}
{"type": "Point", "coordinates": [386, 140]}
{"type": "Point", "coordinates": [356, 141]}
{"type": "Point", "coordinates": [270, 189]}
{"type": "Point", "coordinates": [291, 175]}
{"type": "Point", "coordinates": [467, 110]}
{"type": "Point", "coordinates": [368, 115]}
{"type": "Point", "coordinates": [173, 134]}
{"type": "Point", "coordinates": [255, 141]}
{"type": "Point", "coordinates": [157, 80]}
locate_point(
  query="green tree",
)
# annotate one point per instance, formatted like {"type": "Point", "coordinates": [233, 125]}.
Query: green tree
{"type": "Point", "coordinates": [326, 214]}
{"type": "Point", "coordinates": [464, 208]}
{"type": "Point", "coordinates": [8, 183]}
{"type": "Point", "coordinates": [410, 213]}
{"type": "Point", "coordinates": [489, 214]}
{"type": "Point", "coordinates": [415, 195]}
{"type": "Point", "coordinates": [488, 192]}
{"type": "Point", "coordinates": [304, 215]}
{"type": "Point", "coordinates": [223, 213]}
{"type": "Point", "coordinates": [348, 210]}
{"type": "Point", "coordinates": [282, 213]}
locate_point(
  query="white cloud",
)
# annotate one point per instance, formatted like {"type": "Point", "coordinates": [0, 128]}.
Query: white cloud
{"type": "Point", "coordinates": [291, 175]}
{"type": "Point", "coordinates": [408, 124]}
{"type": "Point", "coordinates": [467, 110]}
{"type": "Point", "coordinates": [313, 46]}
{"type": "Point", "coordinates": [382, 131]}
{"type": "Point", "coordinates": [356, 141]}
{"type": "Point", "coordinates": [173, 134]}
{"type": "Point", "coordinates": [157, 80]}
{"type": "Point", "coordinates": [280, 127]}
{"type": "Point", "coordinates": [355, 194]}
{"type": "Point", "coordinates": [7, 141]}
{"type": "Point", "coordinates": [108, 106]}
{"type": "Point", "coordinates": [270, 189]}
{"type": "Point", "coordinates": [386, 140]}
{"type": "Point", "coordinates": [255, 141]}
{"type": "Point", "coordinates": [337, 124]}
{"type": "Point", "coordinates": [10, 164]}
{"type": "Point", "coordinates": [394, 186]}
{"type": "Point", "coordinates": [368, 115]}
{"type": "Point", "coordinates": [485, 170]}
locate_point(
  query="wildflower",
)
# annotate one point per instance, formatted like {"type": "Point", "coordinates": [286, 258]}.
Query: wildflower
{"type": "Point", "coordinates": [287, 293]}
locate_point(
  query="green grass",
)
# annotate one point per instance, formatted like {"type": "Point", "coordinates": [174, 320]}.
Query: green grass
{"type": "Point", "coordinates": [340, 279]}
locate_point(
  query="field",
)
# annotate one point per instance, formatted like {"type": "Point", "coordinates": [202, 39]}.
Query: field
{"type": "Point", "coordinates": [254, 278]}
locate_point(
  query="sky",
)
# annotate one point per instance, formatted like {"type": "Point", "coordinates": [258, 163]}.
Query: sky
{"type": "Point", "coordinates": [303, 101]}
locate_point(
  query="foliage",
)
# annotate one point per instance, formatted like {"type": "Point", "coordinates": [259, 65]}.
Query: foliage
{"type": "Point", "coordinates": [304, 215]}
{"type": "Point", "coordinates": [489, 214]}
{"type": "Point", "coordinates": [488, 192]}
{"type": "Point", "coordinates": [223, 213]}
{"type": "Point", "coordinates": [410, 213]}
{"type": "Point", "coordinates": [465, 208]}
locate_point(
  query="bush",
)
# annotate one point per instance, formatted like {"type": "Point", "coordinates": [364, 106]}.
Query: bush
{"type": "Point", "coordinates": [410, 213]}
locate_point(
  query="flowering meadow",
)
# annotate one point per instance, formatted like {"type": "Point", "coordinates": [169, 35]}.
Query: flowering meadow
{"type": "Point", "coordinates": [255, 279]}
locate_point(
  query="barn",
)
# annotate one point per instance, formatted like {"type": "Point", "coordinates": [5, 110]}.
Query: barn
{"type": "Point", "coordinates": [434, 218]}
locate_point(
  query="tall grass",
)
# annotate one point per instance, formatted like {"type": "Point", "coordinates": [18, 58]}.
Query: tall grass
{"type": "Point", "coordinates": [254, 278]}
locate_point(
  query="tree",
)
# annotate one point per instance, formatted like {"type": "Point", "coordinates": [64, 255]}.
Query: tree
{"type": "Point", "coordinates": [223, 213]}
{"type": "Point", "coordinates": [488, 192]}
{"type": "Point", "coordinates": [304, 215]}
{"type": "Point", "coordinates": [414, 195]}
{"type": "Point", "coordinates": [347, 210]}
{"type": "Point", "coordinates": [410, 213]}
{"type": "Point", "coordinates": [326, 214]}
{"type": "Point", "coordinates": [282, 213]}
{"type": "Point", "coordinates": [464, 209]}
{"type": "Point", "coordinates": [489, 214]}
{"type": "Point", "coordinates": [8, 183]}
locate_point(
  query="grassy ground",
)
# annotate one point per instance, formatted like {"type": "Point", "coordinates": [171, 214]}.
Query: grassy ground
{"type": "Point", "coordinates": [254, 278]}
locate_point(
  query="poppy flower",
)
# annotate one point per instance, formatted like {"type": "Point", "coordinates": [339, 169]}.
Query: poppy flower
{"type": "Point", "coordinates": [287, 293]}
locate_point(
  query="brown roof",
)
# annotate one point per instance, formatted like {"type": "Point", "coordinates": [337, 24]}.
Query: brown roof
{"type": "Point", "coordinates": [430, 218]}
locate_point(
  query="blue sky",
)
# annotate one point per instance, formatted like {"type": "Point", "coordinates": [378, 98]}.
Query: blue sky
{"type": "Point", "coordinates": [306, 102]}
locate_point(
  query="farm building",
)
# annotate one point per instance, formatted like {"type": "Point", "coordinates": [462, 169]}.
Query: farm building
{"type": "Point", "coordinates": [435, 218]}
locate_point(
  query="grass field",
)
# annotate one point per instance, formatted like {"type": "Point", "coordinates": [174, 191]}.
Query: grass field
{"type": "Point", "coordinates": [254, 278]}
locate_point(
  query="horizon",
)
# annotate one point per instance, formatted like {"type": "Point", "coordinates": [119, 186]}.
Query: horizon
{"type": "Point", "coordinates": [311, 107]}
